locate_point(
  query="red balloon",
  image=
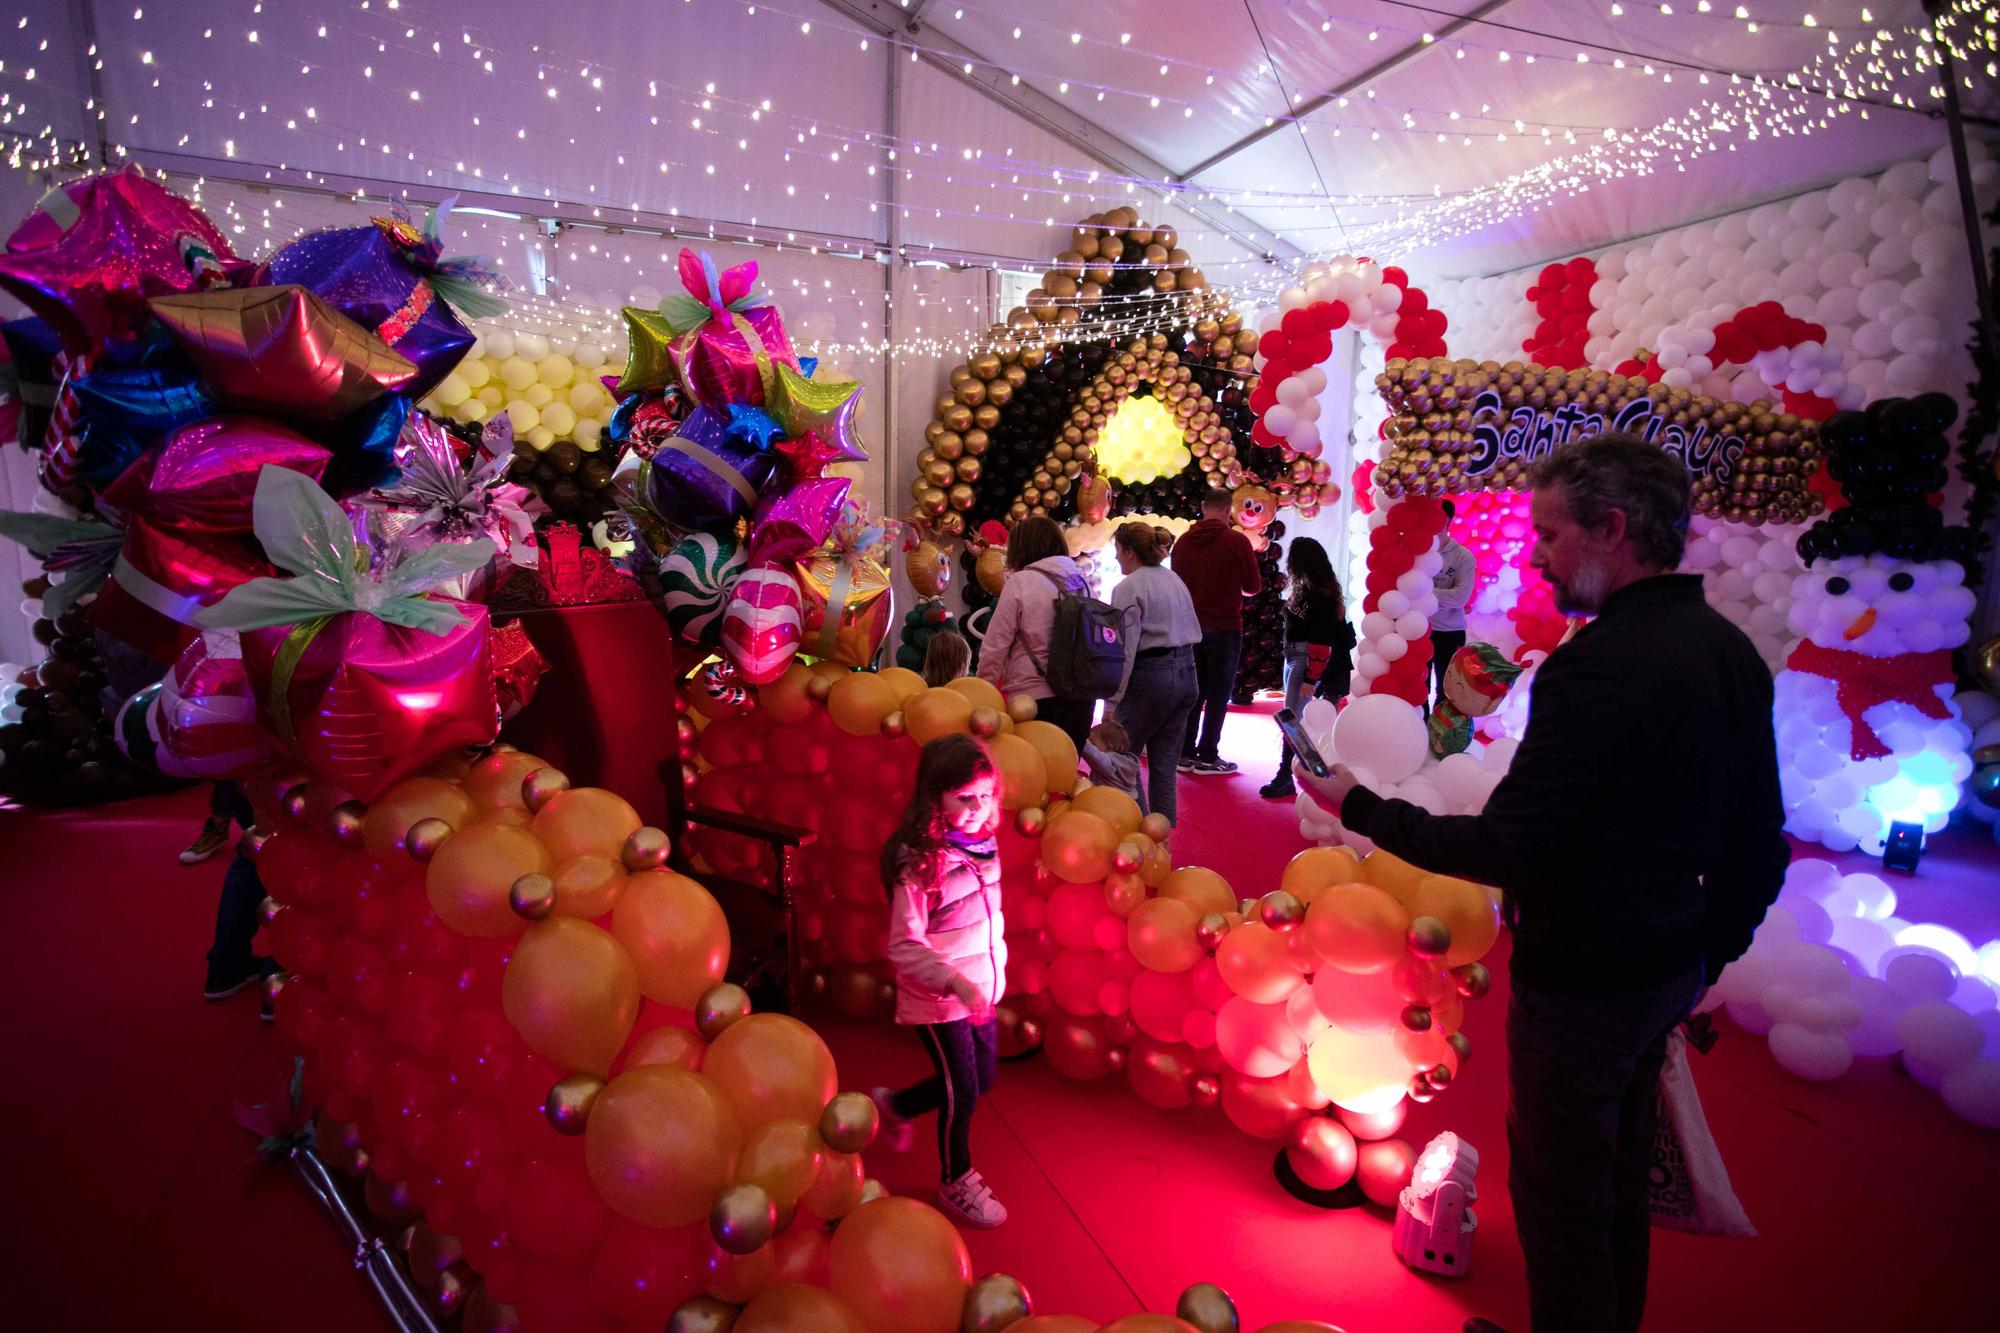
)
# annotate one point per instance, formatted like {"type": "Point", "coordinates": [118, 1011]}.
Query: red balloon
{"type": "Point", "coordinates": [553, 1211]}
{"type": "Point", "coordinates": [640, 1274]}
{"type": "Point", "coordinates": [1383, 1169]}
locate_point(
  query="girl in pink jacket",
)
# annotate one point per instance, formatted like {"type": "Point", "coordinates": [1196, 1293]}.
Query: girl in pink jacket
{"type": "Point", "coordinates": [947, 942]}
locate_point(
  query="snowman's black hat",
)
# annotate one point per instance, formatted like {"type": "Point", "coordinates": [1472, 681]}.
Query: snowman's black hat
{"type": "Point", "coordinates": [1887, 458]}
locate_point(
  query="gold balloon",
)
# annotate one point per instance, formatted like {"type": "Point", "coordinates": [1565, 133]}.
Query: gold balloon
{"type": "Point", "coordinates": [1429, 937]}
{"type": "Point", "coordinates": [1986, 665]}
{"type": "Point", "coordinates": [569, 1101]}
{"type": "Point", "coordinates": [1208, 1308]}
{"type": "Point", "coordinates": [1208, 931]}
{"type": "Point", "coordinates": [346, 821]}
{"type": "Point", "coordinates": [542, 786]}
{"type": "Point", "coordinates": [532, 896]}
{"type": "Point", "coordinates": [849, 1122]}
{"type": "Point", "coordinates": [743, 1219]}
{"type": "Point", "coordinates": [702, 1314]}
{"type": "Point", "coordinates": [282, 349]}
{"type": "Point", "coordinates": [425, 837]}
{"type": "Point", "coordinates": [995, 1302]}
{"type": "Point", "coordinates": [647, 849]}
{"type": "Point", "coordinates": [718, 1007]}
{"type": "Point", "coordinates": [1280, 910]}
{"type": "Point", "coordinates": [571, 992]}
{"type": "Point", "coordinates": [872, 1189]}
{"type": "Point", "coordinates": [1472, 980]}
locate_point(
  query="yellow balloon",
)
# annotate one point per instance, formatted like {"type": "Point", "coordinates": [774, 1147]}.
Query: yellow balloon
{"type": "Point", "coordinates": [784, 1158]}
{"type": "Point", "coordinates": [538, 396]}
{"type": "Point", "coordinates": [583, 820]}
{"type": "Point", "coordinates": [660, 1144]}
{"type": "Point", "coordinates": [559, 418]}
{"type": "Point", "coordinates": [1356, 1068]}
{"type": "Point", "coordinates": [771, 1067]}
{"type": "Point", "coordinates": [1466, 909]}
{"type": "Point", "coordinates": [1200, 888]}
{"type": "Point", "coordinates": [936, 712]}
{"type": "Point", "coordinates": [1393, 875]}
{"type": "Point", "coordinates": [1358, 928]}
{"type": "Point", "coordinates": [1114, 807]}
{"type": "Point", "coordinates": [1316, 869]}
{"type": "Point", "coordinates": [571, 993]}
{"type": "Point", "coordinates": [906, 683]}
{"type": "Point", "coordinates": [676, 935]}
{"type": "Point", "coordinates": [517, 374]}
{"type": "Point", "coordinates": [1058, 752]}
{"type": "Point", "coordinates": [523, 414]}
{"type": "Point", "coordinates": [587, 886]}
{"type": "Point", "coordinates": [1024, 778]}
{"type": "Point", "coordinates": [467, 881]}
{"type": "Point", "coordinates": [475, 372]}
{"type": "Point", "coordinates": [541, 437]}
{"type": "Point", "coordinates": [982, 692]}
{"type": "Point", "coordinates": [555, 369]}
{"type": "Point", "coordinates": [452, 390]}
{"type": "Point", "coordinates": [390, 815]}
{"type": "Point", "coordinates": [859, 702]}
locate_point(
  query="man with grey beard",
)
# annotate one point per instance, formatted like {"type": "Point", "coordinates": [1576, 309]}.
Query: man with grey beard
{"type": "Point", "coordinates": [1636, 837]}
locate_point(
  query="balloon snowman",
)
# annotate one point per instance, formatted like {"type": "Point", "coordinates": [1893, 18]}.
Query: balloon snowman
{"type": "Point", "coordinates": [1868, 733]}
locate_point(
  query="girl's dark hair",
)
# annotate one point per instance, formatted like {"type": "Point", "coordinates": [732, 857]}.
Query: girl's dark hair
{"type": "Point", "coordinates": [944, 765]}
{"type": "Point", "coordinates": [1148, 544]}
{"type": "Point", "coordinates": [1034, 539]}
{"type": "Point", "coordinates": [946, 657]}
{"type": "Point", "coordinates": [1312, 576]}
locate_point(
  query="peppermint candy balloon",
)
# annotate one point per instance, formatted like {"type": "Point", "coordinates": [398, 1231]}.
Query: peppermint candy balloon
{"type": "Point", "coordinates": [201, 720]}
{"type": "Point", "coordinates": [760, 630]}
{"type": "Point", "coordinates": [696, 578]}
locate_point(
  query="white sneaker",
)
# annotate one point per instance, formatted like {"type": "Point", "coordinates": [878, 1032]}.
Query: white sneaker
{"type": "Point", "coordinates": [897, 1132]}
{"type": "Point", "coordinates": [973, 1201]}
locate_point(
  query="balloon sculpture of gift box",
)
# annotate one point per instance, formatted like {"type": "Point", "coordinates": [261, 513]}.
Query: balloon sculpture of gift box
{"type": "Point", "coordinates": [722, 340]}
{"type": "Point", "coordinates": [390, 278]}
{"type": "Point", "coordinates": [187, 511]}
{"type": "Point", "coordinates": [845, 592]}
{"type": "Point", "coordinates": [708, 472]}
{"type": "Point", "coordinates": [359, 674]}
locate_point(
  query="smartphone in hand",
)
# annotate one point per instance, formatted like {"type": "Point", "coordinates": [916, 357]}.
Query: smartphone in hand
{"type": "Point", "coordinates": [1302, 746]}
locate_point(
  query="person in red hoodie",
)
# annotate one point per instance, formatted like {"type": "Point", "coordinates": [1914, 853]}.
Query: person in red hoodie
{"type": "Point", "coordinates": [1220, 570]}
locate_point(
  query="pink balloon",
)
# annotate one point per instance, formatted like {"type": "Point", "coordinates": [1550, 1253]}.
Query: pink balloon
{"type": "Point", "coordinates": [1257, 1039]}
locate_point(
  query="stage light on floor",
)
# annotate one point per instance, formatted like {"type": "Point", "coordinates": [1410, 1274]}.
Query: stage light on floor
{"type": "Point", "coordinates": [1904, 847]}
{"type": "Point", "coordinates": [1434, 1220]}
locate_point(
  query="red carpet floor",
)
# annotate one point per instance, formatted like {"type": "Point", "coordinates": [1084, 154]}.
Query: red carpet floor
{"type": "Point", "coordinates": [133, 1199]}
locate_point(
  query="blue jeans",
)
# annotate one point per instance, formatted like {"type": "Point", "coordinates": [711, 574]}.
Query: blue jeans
{"type": "Point", "coordinates": [1215, 660]}
{"type": "Point", "coordinates": [1154, 713]}
{"type": "Point", "coordinates": [1583, 1081]}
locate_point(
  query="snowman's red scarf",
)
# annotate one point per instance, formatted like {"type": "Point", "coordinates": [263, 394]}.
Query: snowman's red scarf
{"type": "Point", "coordinates": [1864, 681]}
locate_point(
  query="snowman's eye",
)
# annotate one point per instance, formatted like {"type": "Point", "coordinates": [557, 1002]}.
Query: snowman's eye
{"type": "Point", "coordinates": [1901, 582]}
{"type": "Point", "coordinates": [1838, 586]}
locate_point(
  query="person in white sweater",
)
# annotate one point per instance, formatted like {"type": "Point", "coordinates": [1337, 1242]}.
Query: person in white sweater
{"type": "Point", "coordinates": [1161, 628]}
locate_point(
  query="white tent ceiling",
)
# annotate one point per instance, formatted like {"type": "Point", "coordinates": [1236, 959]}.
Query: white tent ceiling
{"type": "Point", "coordinates": [1310, 128]}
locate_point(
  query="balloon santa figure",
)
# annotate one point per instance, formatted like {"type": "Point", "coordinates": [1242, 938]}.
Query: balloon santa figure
{"type": "Point", "coordinates": [1868, 735]}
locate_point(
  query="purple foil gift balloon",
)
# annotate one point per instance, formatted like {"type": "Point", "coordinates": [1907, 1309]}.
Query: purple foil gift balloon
{"type": "Point", "coordinates": [703, 476]}
{"type": "Point", "coordinates": [385, 277]}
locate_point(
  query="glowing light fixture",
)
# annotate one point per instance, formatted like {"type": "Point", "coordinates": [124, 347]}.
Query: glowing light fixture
{"type": "Point", "coordinates": [1434, 1220]}
{"type": "Point", "coordinates": [1141, 442]}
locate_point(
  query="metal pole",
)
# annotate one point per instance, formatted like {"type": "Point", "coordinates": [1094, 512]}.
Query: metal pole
{"type": "Point", "coordinates": [892, 274]}
{"type": "Point", "coordinates": [1954, 122]}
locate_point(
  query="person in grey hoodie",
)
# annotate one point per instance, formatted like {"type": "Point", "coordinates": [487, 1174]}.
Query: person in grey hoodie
{"type": "Point", "coordinates": [1015, 656]}
{"type": "Point", "coordinates": [1161, 630]}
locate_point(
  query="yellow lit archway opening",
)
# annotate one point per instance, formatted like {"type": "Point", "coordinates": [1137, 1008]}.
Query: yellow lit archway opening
{"type": "Point", "coordinates": [1142, 442]}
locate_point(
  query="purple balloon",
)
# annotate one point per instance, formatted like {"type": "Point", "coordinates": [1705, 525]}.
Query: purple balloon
{"type": "Point", "coordinates": [793, 522]}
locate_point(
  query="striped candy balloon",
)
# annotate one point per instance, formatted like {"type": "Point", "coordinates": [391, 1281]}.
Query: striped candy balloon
{"type": "Point", "coordinates": [696, 577]}
{"type": "Point", "coordinates": [760, 630]}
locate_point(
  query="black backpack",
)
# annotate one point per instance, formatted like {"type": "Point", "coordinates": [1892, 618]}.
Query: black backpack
{"type": "Point", "coordinates": [1086, 646]}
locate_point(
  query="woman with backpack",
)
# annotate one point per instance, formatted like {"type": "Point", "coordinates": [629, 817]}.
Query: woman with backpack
{"type": "Point", "coordinates": [1160, 689]}
{"type": "Point", "coordinates": [1015, 656]}
{"type": "Point", "coordinates": [1319, 642]}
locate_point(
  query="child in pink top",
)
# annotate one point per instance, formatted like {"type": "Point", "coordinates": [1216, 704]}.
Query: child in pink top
{"type": "Point", "coordinates": [947, 942]}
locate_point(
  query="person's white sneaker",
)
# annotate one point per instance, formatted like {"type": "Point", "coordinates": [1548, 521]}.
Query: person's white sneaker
{"type": "Point", "coordinates": [897, 1132]}
{"type": "Point", "coordinates": [973, 1201]}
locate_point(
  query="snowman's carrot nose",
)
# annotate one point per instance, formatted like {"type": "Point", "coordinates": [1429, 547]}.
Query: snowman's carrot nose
{"type": "Point", "coordinates": [1862, 624]}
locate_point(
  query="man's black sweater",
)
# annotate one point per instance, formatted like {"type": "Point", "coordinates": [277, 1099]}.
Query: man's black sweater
{"type": "Point", "coordinates": [1636, 833]}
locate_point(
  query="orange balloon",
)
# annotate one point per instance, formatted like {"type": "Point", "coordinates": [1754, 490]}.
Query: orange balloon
{"type": "Point", "coordinates": [1124, 893]}
{"type": "Point", "coordinates": [587, 886]}
{"type": "Point", "coordinates": [737, 1278]}
{"type": "Point", "coordinates": [983, 693]}
{"type": "Point", "coordinates": [1200, 888]}
{"type": "Point", "coordinates": [1358, 927]}
{"type": "Point", "coordinates": [1114, 807]}
{"type": "Point", "coordinates": [513, 816]}
{"type": "Point", "coordinates": [467, 881]}
{"type": "Point", "coordinates": [936, 712]}
{"type": "Point", "coordinates": [901, 1266]}
{"type": "Point", "coordinates": [660, 1144]}
{"type": "Point", "coordinates": [836, 1191]}
{"type": "Point", "coordinates": [1393, 875]}
{"type": "Point", "coordinates": [1316, 869]}
{"type": "Point", "coordinates": [495, 781]}
{"type": "Point", "coordinates": [1053, 1323]}
{"type": "Point", "coordinates": [1159, 865]}
{"type": "Point", "coordinates": [1057, 749]}
{"type": "Point", "coordinates": [667, 1045]}
{"type": "Point", "coordinates": [1467, 911]}
{"type": "Point", "coordinates": [1160, 934]}
{"type": "Point", "coordinates": [785, 700]}
{"type": "Point", "coordinates": [1263, 1108]}
{"type": "Point", "coordinates": [1300, 1326]}
{"type": "Point", "coordinates": [1255, 962]}
{"type": "Point", "coordinates": [390, 815]}
{"type": "Point", "coordinates": [585, 820]}
{"type": "Point", "coordinates": [1024, 778]}
{"type": "Point", "coordinates": [794, 1307]}
{"type": "Point", "coordinates": [676, 935]}
{"type": "Point", "coordinates": [802, 1252]}
{"type": "Point", "coordinates": [1149, 1323]}
{"type": "Point", "coordinates": [771, 1067]}
{"type": "Point", "coordinates": [906, 683]}
{"type": "Point", "coordinates": [571, 993]}
{"type": "Point", "coordinates": [1078, 846]}
{"type": "Point", "coordinates": [859, 702]}
{"type": "Point", "coordinates": [784, 1157]}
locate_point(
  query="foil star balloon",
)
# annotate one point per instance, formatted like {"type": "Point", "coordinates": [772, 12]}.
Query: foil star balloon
{"type": "Point", "coordinates": [825, 406]}
{"type": "Point", "coordinates": [92, 255]}
{"type": "Point", "coordinates": [753, 425]}
{"type": "Point", "coordinates": [648, 365]}
{"type": "Point", "coordinates": [809, 455]}
{"type": "Point", "coordinates": [283, 350]}
{"type": "Point", "coordinates": [790, 522]}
